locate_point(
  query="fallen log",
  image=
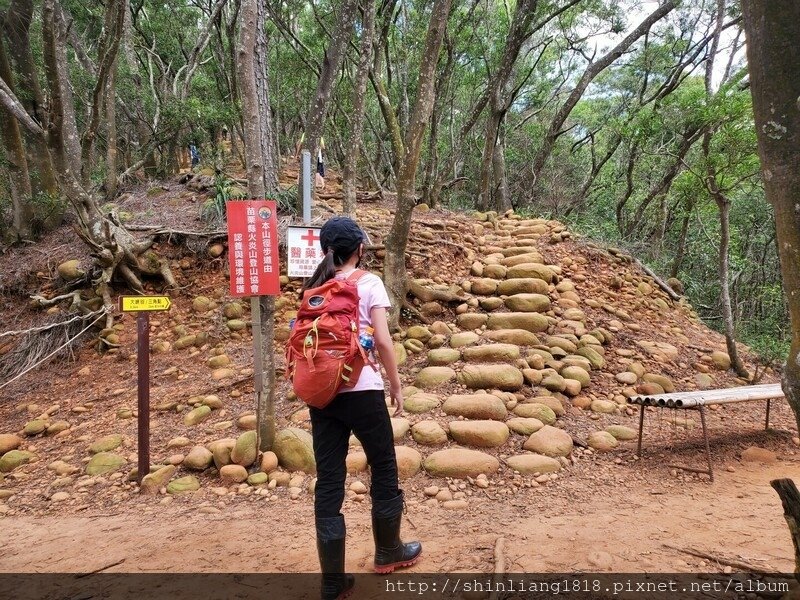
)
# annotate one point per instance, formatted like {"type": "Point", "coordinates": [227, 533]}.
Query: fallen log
{"type": "Point", "coordinates": [661, 283]}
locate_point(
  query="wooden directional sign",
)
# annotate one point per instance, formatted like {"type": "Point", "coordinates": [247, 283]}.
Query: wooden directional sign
{"type": "Point", "coordinates": [144, 303]}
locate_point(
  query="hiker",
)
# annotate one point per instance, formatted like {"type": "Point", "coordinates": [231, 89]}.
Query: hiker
{"type": "Point", "coordinates": [360, 409]}
{"type": "Point", "coordinates": [320, 176]}
{"type": "Point", "coordinates": [195, 155]}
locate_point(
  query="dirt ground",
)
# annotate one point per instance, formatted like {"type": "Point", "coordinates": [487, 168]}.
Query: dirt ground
{"type": "Point", "coordinates": [616, 529]}
{"type": "Point", "coordinates": [603, 513]}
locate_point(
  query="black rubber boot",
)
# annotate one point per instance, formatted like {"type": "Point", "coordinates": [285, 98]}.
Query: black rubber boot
{"type": "Point", "coordinates": [336, 584]}
{"type": "Point", "coordinates": [390, 551]}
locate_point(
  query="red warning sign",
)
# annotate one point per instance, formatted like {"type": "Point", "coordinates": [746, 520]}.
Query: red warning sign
{"type": "Point", "coordinates": [253, 248]}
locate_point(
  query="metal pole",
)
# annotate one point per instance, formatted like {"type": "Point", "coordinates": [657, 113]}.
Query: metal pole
{"type": "Point", "coordinates": [705, 439]}
{"type": "Point", "coordinates": [641, 430]}
{"type": "Point", "coordinates": [766, 423]}
{"type": "Point", "coordinates": [306, 185]}
{"type": "Point", "coordinates": [143, 386]}
{"type": "Point", "coordinates": [258, 356]}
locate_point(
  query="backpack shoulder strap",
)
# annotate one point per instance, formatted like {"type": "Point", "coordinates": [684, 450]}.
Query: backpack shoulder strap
{"type": "Point", "coordinates": [356, 275]}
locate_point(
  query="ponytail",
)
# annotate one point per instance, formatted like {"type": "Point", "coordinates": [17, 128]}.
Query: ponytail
{"type": "Point", "coordinates": [325, 271]}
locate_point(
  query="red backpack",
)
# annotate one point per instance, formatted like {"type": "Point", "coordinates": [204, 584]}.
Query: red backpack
{"type": "Point", "coordinates": [323, 353]}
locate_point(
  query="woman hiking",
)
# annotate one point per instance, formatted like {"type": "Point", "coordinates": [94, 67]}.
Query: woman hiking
{"type": "Point", "coordinates": [360, 409]}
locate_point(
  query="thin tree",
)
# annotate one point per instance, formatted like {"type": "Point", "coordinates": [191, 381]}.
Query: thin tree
{"type": "Point", "coordinates": [330, 68]}
{"type": "Point", "coordinates": [593, 69]}
{"type": "Point", "coordinates": [353, 149]}
{"type": "Point", "coordinates": [394, 271]}
{"type": "Point", "coordinates": [262, 178]}
{"type": "Point", "coordinates": [773, 56]}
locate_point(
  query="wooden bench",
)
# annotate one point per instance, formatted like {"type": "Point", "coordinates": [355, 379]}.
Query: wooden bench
{"type": "Point", "coordinates": [698, 401]}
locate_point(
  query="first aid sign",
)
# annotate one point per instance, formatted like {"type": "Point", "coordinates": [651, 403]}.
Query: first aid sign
{"type": "Point", "coordinates": [304, 251]}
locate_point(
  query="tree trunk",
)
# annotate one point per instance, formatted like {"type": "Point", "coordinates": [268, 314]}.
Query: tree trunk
{"type": "Point", "coordinates": [790, 499]}
{"type": "Point", "coordinates": [111, 134]}
{"type": "Point", "coordinates": [394, 273]}
{"type": "Point", "coordinates": [315, 121]}
{"type": "Point", "coordinates": [773, 58]}
{"type": "Point", "coordinates": [502, 199]}
{"type": "Point", "coordinates": [19, 178]}
{"type": "Point", "coordinates": [723, 270]}
{"type": "Point", "coordinates": [592, 71]}
{"type": "Point", "coordinates": [262, 181]}
{"type": "Point", "coordinates": [17, 28]}
{"type": "Point", "coordinates": [350, 166]}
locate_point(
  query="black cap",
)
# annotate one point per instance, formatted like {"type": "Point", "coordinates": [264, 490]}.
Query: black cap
{"type": "Point", "coordinates": [342, 235]}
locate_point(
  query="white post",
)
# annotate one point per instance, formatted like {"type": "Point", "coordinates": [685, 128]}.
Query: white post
{"type": "Point", "coordinates": [306, 182]}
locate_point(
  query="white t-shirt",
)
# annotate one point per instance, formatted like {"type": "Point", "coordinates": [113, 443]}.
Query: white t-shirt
{"type": "Point", "coordinates": [371, 294]}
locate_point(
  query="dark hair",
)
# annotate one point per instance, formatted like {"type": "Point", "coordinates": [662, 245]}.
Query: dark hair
{"type": "Point", "coordinates": [340, 239]}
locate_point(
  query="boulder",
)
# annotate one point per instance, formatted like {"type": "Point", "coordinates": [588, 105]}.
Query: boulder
{"type": "Point", "coordinates": [153, 482]}
{"type": "Point", "coordinates": [400, 354]}
{"type": "Point", "coordinates": [484, 286]}
{"type": "Point", "coordinates": [245, 451]}
{"type": "Point", "coordinates": [553, 382]}
{"type": "Point", "coordinates": [198, 459]}
{"type": "Point", "coordinates": [759, 455]}
{"type": "Point", "coordinates": [429, 433]}
{"type": "Point", "coordinates": [552, 403]}
{"type": "Point", "coordinates": [483, 434]}
{"type": "Point", "coordinates": [594, 357]}
{"type": "Point", "coordinates": [106, 443]}
{"type": "Point", "coordinates": [578, 374]}
{"type": "Point", "coordinates": [443, 356]}
{"type": "Point", "coordinates": [524, 425]}
{"type": "Point", "coordinates": [471, 320]}
{"type": "Point", "coordinates": [627, 377]}
{"type": "Point", "coordinates": [622, 433]}
{"type": "Point", "coordinates": [183, 485]}
{"type": "Point", "coordinates": [104, 462]}
{"type": "Point", "coordinates": [295, 450]}
{"type": "Point", "coordinates": [269, 462]}
{"type": "Point", "coordinates": [356, 462]}
{"type": "Point", "coordinates": [34, 427]}
{"type": "Point", "coordinates": [465, 338]}
{"type": "Point", "coordinates": [197, 415]}
{"type": "Point", "coordinates": [418, 332]}
{"type": "Point", "coordinates": [518, 337]}
{"type": "Point", "coordinates": [492, 376]}
{"type": "Point", "coordinates": [492, 353]}
{"type": "Point", "coordinates": [606, 407]}
{"type": "Point", "coordinates": [259, 478]}
{"type": "Point", "coordinates": [665, 382]}
{"type": "Point", "coordinates": [518, 259]}
{"type": "Point", "coordinates": [528, 303]}
{"type": "Point", "coordinates": [420, 403]}
{"type": "Point", "coordinates": [409, 461]}
{"type": "Point", "coordinates": [704, 381]}
{"type": "Point", "coordinates": [533, 322]}
{"type": "Point", "coordinates": [550, 441]}
{"type": "Point", "coordinates": [721, 360]}
{"type": "Point", "coordinates": [528, 464]}
{"type": "Point", "coordinates": [531, 270]}
{"type": "Point", "coordinates": [70, 270]}
{"type": "Point", "coordinates": [15, 458]}
{"type": "Point", "coordinates": [460, 462]}
{"type": "Point", "coordinates": [8, 442]}
{"type": "Point", "coordinates": [535, 410]}
{"type": "Point", "coordinates": [233, 474]}
{"type": "Point", "coordinates": [475, 406]}
{"type": "Point", "coordinates": [494, 271]}
{"type": "Point", "coordinates": [400, 427]}
{"type": "Point", "coordinates": [522, 286]}
{"type": "Point", "coordinates": [431, 377]}
{"type": "Point", "coordinates": [602, 441]}
{"type": "Point", "coordinates": [221, 451]}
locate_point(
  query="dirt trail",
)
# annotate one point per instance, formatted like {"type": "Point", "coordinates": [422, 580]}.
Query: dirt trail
{"type": "Point", "coordinates": [736, 517]}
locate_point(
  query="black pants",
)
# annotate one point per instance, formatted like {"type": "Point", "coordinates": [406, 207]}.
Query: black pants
{"type": "Point", "coordinates": [365, 415]}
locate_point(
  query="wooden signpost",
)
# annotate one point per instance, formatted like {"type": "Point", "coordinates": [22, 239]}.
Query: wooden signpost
{"type": "Point", "coordinates": [143, 306]}
{"type": "Point", "coordinates": [255, 272]}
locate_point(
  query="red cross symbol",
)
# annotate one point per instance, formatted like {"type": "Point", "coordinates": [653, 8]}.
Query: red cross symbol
{"type": "Point", "coordinates": [310, 236]}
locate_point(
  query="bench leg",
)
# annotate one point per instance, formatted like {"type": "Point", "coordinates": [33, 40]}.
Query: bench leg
{"type": "Point", "coordinates": [641, 429]}
{"type": "Point", "coordinates": [705, 439]}
{"type": "Point", "coordinates": [766, 423]}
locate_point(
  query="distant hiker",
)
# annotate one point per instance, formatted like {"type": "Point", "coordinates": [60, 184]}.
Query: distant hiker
{"type": "Point", "coordinates": [195, 154]}
{"type": "Point", "coordinates": [357, 407]}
